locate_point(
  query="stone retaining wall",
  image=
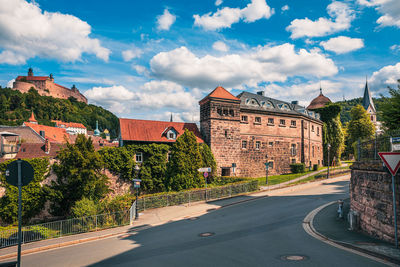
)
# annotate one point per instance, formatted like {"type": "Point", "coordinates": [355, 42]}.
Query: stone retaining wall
{"type": "Point", "coordinates": [371, 196]}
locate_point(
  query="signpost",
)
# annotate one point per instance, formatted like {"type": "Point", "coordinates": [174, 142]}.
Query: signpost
{"type": "Point", "coordinates": [266, 172]}
{"type": "Point", "coordinates": [136, 184]}
{"type": "Point", "coordinates": [395, 141]}
{"type": "Point", "coordinates": [392, 162]}
{"type": "Point", "coordinates": [19, 173]}
{"type": "Point", "coordinates": [205, 172]}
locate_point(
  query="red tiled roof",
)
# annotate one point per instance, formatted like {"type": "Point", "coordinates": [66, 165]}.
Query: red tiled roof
{"type": "Point", "coordinates": [54, 134]}
{"type": "Point", "coordinates": [33, 78]}
{"type": "Point", "coordinates": [319, 102]}
{"type": "Point", "coordinates": [31, 150]}
{"type": "Point", "coordinates": [220, 92]}
{"type": "Point", "coordinates": [69, 124]}
{"type": "Point", "coordinates": [99, 143]}
{"type": "Point", "coordinates": [152, 131]}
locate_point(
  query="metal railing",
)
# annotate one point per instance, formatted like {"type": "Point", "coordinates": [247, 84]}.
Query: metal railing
{"type": "Point", "coordinates": [187, 197]}
{"type": "Point", "coordinates": [55, 229]}
{"type": "Point", "coordinates": [368, 149]}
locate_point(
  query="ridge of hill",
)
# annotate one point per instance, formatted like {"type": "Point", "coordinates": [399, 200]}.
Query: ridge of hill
{"type": "Point", "coordinates": [347, 105]}
{"type": "Point", "coordinates": [16, 108]}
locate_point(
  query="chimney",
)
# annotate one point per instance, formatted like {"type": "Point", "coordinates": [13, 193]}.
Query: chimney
{"type": "Point", "coordinates": [261, 93]}
{"type": "Point", "coordinates": [42, 134]}
{"type": "Point", "coordinates": [295, 102]}
{"type": "Point", "coordinates": [47, 146]}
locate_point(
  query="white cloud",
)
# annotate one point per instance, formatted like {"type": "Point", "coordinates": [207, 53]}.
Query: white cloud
{"type": "Point", "coordinates": [140, 69]}
{"type": "Point", "coordinates": [218, 2]}
{"type": "Point", "coordinates": [302, 92]}
{"type": "Point", "coordinates": [342, 44]}
{"type": "Point", "coordinates": [27, 32]}
{"type": "Point", "coordinates": [153, 95]}
{"type": "Point", "coordinates": [165, 20]}
{"type": "Point", "coordinates": [341, 17]}
{"type": "Point", "coordinates": [386, 76]}
{"type": "Point", "coordinates": [225, 17]}
{"type": "Point", "coordinates": [130, 54]}
{"type": "Point", "coordinates": [10, 83]}
{"type": "Point", "coordinates": [395, 48]}
{"type": "Point", "coordinates": [220, 46]}
{"type": "Point", "coordinates": [260, 64]}
{"type": "Point", "coordinates": [390, 10]}
{"type": "Point", "coordinates": [285, 8]}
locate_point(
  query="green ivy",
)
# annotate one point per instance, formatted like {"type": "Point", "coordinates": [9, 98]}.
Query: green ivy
{"type": "Point", "coordinates": [34, 195]}
{"type": "Point", "coordinates": [119, 161]}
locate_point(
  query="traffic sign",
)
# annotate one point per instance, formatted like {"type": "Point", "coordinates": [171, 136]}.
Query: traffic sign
{"type": "Point", "coordinates": [136, 183]}
{"type": "Point", "coordinates": [391, 160]}
{"type": "Point", "coordinates": [27, 173]}
{"type": "Point", "coordinates": [396, 139]}
{"type": "Point", "coordinates": [206, 169]}
{"type": "Point", "coordinates": [205, 174]}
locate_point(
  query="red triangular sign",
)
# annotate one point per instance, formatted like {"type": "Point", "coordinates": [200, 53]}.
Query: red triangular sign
{"type": "Point", "coordinates": [391, 160]}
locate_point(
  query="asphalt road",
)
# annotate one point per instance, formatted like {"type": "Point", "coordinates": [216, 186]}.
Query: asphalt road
{"type": "Point", "coordinates": [254, 233]}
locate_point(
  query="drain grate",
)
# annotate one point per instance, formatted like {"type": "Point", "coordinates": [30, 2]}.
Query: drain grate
{"type": "Point", "coordinates": [294, 257]}
{"type": "Point", "coordinates": [206, 234]}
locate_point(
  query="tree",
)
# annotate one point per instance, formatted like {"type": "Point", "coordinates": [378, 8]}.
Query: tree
{"type": "Point", "coordinates": [390, 109]}
{"type": "Point", "coordinates": [332, 132]}
{"type": "Point", "coordinates": [207, 157]}
{"type": "Point", "coordinates": [78, 175]}
{"type": "Point", "coordinates": [360, 125]}
{"type": "Point", "coordinates": [182, 169]}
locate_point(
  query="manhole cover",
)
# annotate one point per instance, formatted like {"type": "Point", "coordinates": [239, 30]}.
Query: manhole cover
{"type": "Point", "coordinates": [206, 234]}
{"type": "Point", "coordinates": [193, 218]}
{"type": "Point", "coordinates": [294, 257]}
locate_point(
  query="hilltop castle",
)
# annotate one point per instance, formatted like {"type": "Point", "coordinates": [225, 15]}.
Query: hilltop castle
{"type": "Point", "coordinates": [46, 86]}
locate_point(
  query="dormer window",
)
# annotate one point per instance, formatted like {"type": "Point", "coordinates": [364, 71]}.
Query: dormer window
{"type": "Point", "coordinates": [284, 106]}
{"type": "Point", "coordinates": [171, 134]}
{"type": "Point", "coordinates": [266, 104]}
{"type": "Point", "coordinates": [252, 102]}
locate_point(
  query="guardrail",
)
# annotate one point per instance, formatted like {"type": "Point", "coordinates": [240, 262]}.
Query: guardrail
{"type": "Point", "coordinates": [61, 228]}
{"type": "Point", "coordinates": [187, 197]}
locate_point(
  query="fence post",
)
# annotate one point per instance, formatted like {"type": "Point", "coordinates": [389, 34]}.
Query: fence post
{"type": "Point", "coordinates": [358, 149]}
{"type": "Point", "coordinates": [61, 228]}
{"type": "Point", "coordinates": [96, 223]}
{"type": "Point", "coordinates": [189, 198]}
{"type": "Point", "coordinates": [375, 147]}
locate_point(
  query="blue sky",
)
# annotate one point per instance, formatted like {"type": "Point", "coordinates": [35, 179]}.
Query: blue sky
{"type": "Point", "coordinates": [148, 59]}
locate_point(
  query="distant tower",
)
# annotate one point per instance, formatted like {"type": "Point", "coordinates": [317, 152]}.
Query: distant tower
{"type": "Point", "coordinates": [97, 131]}
{"type": "Point", "coordinates": [30, 72]}
{"type": "Point", "coordinates": [171, 120]}
{"type": "Point", "coordinates": [32, 119]}
{"type": "Point", "coordinates": [51, 77]}
{"type": "Point", "coordinates": [368, 103]}
{"type": "Point", "coordinates": [220, 127]}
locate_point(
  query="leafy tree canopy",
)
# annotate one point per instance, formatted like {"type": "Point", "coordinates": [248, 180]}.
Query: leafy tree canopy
{"type": "Point", "coordinates": [16, 107]}
{"type": "Point", "coordinates": [390, 109]}
{"type": "Point", "coordinates": [360, 125]}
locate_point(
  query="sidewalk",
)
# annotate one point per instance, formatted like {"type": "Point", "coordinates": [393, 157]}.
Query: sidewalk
{"type": "Point", "coordinates": [327, 225]}
{"type": "Point", "coordinates": [154, 217]}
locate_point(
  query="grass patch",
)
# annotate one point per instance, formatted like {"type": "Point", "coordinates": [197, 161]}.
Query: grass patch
{"type": "Point", "coordinates": [277, 179]}
{"type": "Point", "coordinates": [322, 175]}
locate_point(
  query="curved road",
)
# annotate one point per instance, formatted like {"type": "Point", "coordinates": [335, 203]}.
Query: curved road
{"type": "Point", "coordinates": [254, 233]}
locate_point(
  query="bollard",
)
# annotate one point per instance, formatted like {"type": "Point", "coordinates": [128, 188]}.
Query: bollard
{"type": "Point", "coordinates": [340, 209]}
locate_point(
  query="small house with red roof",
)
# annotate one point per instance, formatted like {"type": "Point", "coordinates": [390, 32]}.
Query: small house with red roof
{"type": "Point", "coordinates": [71, 127]}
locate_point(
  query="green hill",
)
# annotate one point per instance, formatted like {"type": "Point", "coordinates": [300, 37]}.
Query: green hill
{"type": "Point", "coordinates": [347, 105]}
{"type": "Point", "coordinates": [16, 107]}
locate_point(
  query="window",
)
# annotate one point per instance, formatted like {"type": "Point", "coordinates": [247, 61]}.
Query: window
{"type": "Point", "coordinates": [313, 152]}
{"type": "Point", "coordinates": [293, 151]}
{"type": "Point", "coordinates": [139, 157]}
{"type": "Point", "coordinates": [282, 122]}
{"type": "Point", "coordinates": [283, 106]}
{"type": "Point", "coordinates": [244, 144]}
{"type": "Point", "coordinates": [169, 156]}
{"type": "Point", "coordinates": [226, 133]}
{"type": "Point", "coordinates": [270, 144]}
{"type": "Point", "coordinates": [231, 113]}
{"type": "Point", "coordinates": [258, 145]}
{"type": "Point", "coordinates": [252, 102]}
{"type": "Point", "coordinates": [312, 128]}
{"type": "Point", "coordinates": [293, 161]}
{"type": "Point", "coordinates": [271, 121]}
{"type": "Point", "coordinates": [293, 123]}
{"type": "Point", "coordinates": [245, 118]}
{"type": "Point", "coordinates": [257, 120]}
{"type": "Point", "coordinates": [171, 135]}
{"type": "Point", "coordinates": [219, 111]}
{"type": "Point", "coordinates": [317, 130]}
{"type": "Point", "coordinates": [225, 112]}
{"type": "Point", "coordinates": [271, 165]}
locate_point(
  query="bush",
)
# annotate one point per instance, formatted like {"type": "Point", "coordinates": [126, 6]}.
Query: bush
{"type": "Point", "coordinates": [298, 167]}
{"type": "Point", "coordinates": [116, 204]}
{"type": "Point", "coordinates": [84, 207]}
{"type": "Point", "coordinates": [315, 167]}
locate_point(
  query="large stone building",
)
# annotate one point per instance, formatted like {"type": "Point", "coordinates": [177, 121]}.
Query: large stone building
{"type": "Point", "coordinates": [46, 86]}
{"type": "Point", "coordinates": [246, 131]}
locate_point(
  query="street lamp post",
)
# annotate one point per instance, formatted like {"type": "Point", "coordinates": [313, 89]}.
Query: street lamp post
{"type": "Point", "coordinates": [266, 169]}
{"type": "Point", "coordinates": [329, 150]}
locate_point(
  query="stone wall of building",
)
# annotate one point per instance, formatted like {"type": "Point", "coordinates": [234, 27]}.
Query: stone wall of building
{"type": "Point", "coordinates": [371, 196]}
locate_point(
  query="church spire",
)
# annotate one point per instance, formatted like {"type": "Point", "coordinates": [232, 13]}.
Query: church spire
{"type": "Point", "coordinates": [367, 99]}
{"type": "Point", "coordinates": [171, 120]}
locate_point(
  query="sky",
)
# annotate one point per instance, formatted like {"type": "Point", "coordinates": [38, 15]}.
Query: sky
{"type": "Point", "coordinates": [148, 59]}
